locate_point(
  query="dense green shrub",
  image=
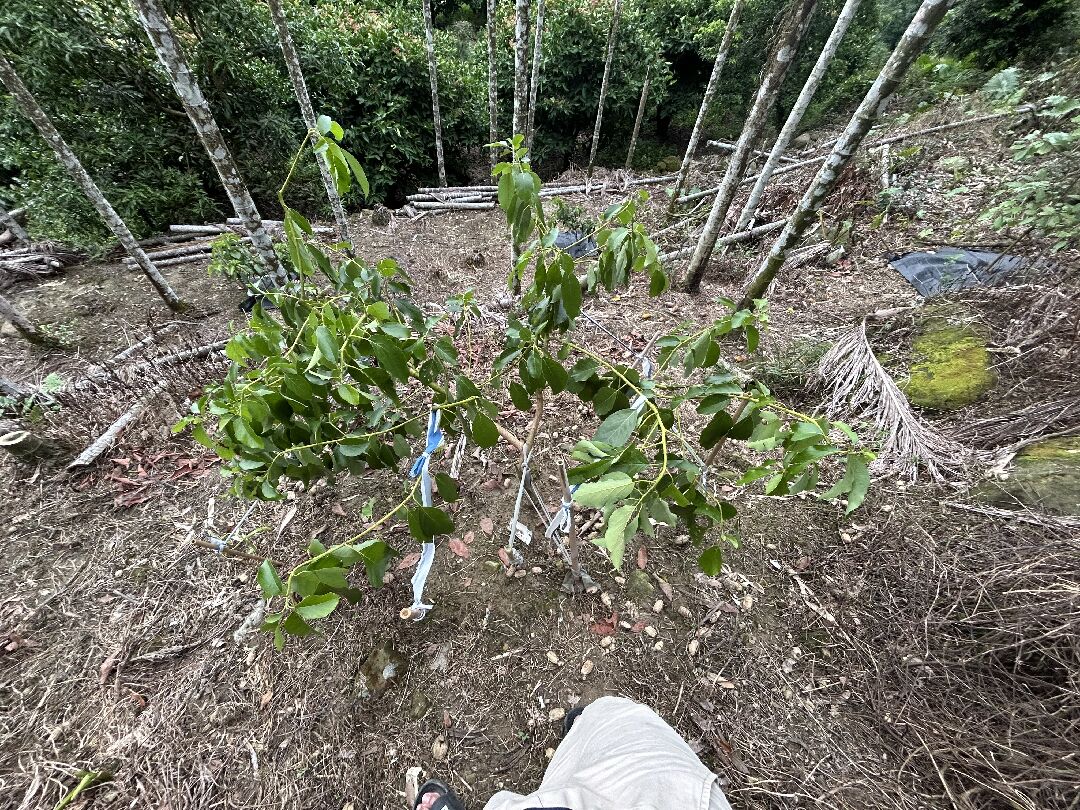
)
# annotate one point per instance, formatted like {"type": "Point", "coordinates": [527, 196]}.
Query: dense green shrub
{"type": "Point", "coordinates": [996, 33]}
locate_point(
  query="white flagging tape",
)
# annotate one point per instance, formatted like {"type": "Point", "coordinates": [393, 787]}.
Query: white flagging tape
{"type": "Point", "coordinates": [646, 371]}
{"type": "Point", "coordinates": [422, 467]}
{"type": "Point", "coordinates": [515, 555]}
{"type": "Point", "coordinates": [560, 524]}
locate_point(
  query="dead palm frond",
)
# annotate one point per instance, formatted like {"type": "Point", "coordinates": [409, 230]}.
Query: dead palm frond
{"type": "Point", "coordinates": [861, 388]}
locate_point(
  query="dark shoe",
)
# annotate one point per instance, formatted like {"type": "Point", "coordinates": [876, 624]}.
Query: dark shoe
{"type": "Point", "coordinates": [447, 800]}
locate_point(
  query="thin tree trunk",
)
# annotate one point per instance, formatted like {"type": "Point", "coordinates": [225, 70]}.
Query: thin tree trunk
{"type": "Point", "coordinates": [706, 102]}
{"type": "Point", "coordinates": [791, 31]}
{"type": "Point", "coordinates": [23, 325]}
{"type": "Point", "coordinates": [783, 140]}
{"type": "Point", "coordinates": [31, 109]}
{"type": "Point", "coordinates": [521, 66]}
{"type": "Point", "coordinates": [612, 35]}
{"type": "Point", "coordinates": [918, 33]}
{"type": "Point", "coordinates": [640, 114]}
{"type": "Point", "coordinates": [433, 75]}
{"type": "Point", "coordinates": [307, 113]}
{"type": "Point", "coordinates": [493, 91]}
{"type": "Point", "coordinates": [17, 230]}
{"type": "Point", "coordinates": [162, 37]}
{"type": "Point", "coordinates": [534, 89]}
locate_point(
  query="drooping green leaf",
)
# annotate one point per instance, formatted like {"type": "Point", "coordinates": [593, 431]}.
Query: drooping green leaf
{"type": "Point", "coordinates": [269, 580]}
{"type": "Point", "coordinates": [391, 358]}
{"type": "Point", "coordinates": [710, 560]}
{"type": "Point", "coordinates": [617, 428]}
{"type": "Point", "coordinates": [484, 432]}
{"type": "Point", "coordinates": [426, 522]}
{"type": "Point", "coordinates": [719, 426]}
{"type": "Point", "coordinates": [447, 487]}
{"type": "Point", "coordinates": [614, 539]}
{"type": "Point", "coordinates": [607, 490]}
{"type": "Point", "coordinates": [520, 397]}
{"type": "Point", "coordinates": [317, 606]}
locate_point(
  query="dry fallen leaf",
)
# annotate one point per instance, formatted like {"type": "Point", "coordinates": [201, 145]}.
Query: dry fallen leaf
{"type": "Point", "coordinates": [337, 509]}
{"type": "Point", "coordinates": [469, 537]}
{"type": "Point", "coordinates": [446, 719]}
{"type": "Point", "coordinates": [606, 627]}
{"type": "Point", "coordinates": [666, 588]}
{"type": "Point", "coordinates": [642, 557]}
{"type": "Point", "coordinates": [265, 699]}
{"type": "Point", "coordinates": [107, 665]}
{"type": "Point", "coordinates": [504, 557]}
{"type": "Point", "coordinates": [459, 548]}
{"type": "Point", "coordinates": [408, 561]}
{"type": "Point", "coordinates": [487, 525]}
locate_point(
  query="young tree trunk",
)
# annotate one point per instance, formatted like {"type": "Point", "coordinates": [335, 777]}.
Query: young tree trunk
{"type": "Point", "coordinates": [640, 114]}
{"type": "Point", "coordinates": [612, 34]}
{"type": "Point", "coordinates": [433, 75]}
{"type": "Point", "coordinates": [706, 102]}
{"type": "Point", "coordinates": [23, 325]}
{"type": "Point", "coordinates": [791, 31]}
{"type": "Point", "coordinates": [307, 112]}
{"type": "Point", "coordinates": [29, 107]}
{"type": "Point", "coordinates": [162, 37]}
{"type": "Point", "coordinates": [17, 230]}
{"type": "Point", "coordinates": [534, 81]}
{"type": "Point", "coordinates": [521, 66]}
{"type": "Point", "coordinates": [493, 93]}
{"type": "Point", "coordinates": [918, 33]}
{"type": "Point", "coordinates": [783, 140]}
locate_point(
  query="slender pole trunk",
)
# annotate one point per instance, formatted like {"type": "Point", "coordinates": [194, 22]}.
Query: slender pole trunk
{"type": "Point", "coordinates": [791, 31]}
{"type": "Point", "coordinates": [534, 89]}
{"type": "Point", "coordinates": [17, 230]}
{"type": "Point", "coordinates": [521, 66]}
{"type": "Point", "coordinates": [493, 92]}
{"type": "Point", "coordinates": [783, 140]}
{"type": "Point", "coordinates": [32, 110]}
{"type": "Point", "coordinates": [706, 102]}
{"type": "Point", "coordinates": [640, 115]}
{"type": "Point", "coordinates": [918, 33]}
{"type": "Point", "coordinates": [162, 37]}
{"type": "Point", "coordinates": [23, 325]}
{"type": "Point", "coordinates": [433, 75]}
{"type": "Point", "coordinates": [307, 113]}
{"type": "Point", "coordinates": [612, 34]}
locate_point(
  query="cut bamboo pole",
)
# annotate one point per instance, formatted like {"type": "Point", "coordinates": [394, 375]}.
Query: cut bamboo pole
{"type": "Point", "coordinates": [521, 66]}
{"type": "Point", "coordinates": [433, 77]}
{"type": "Point", "coordinates": [640, 115]}
{"type": "Point", "coordinates": [493, 91]}
{"type": "Point", "coordinates": [17, 230]}
{"type": "Point", "coordinates": [307, 113]}
{"type": "Point", "coordinates": [706, 102]}
{"type": "Point", "coordinates": [612, 36]}
{"type": "Point", "coordinates": [23, 325]}
{"type": "Point", "coordinates": [171, 55]}
{"type": "Point", "coordinates": [913, 42]}
{"type": "Point", "coordinates": [795, 116]}
{"type": "Point", "coordinates": [792, 29]}
{"type": "Point", "coordinates": [29, 107]}
{"type": "Point", "coordinates": [534, 80]}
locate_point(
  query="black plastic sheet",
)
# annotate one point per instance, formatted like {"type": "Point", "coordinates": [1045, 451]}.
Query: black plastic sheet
{"type": "Point", "coordinates": [948, 269]}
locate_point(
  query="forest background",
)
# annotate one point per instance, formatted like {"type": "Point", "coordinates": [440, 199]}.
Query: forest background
{"type": "Point", "coordinates": [91, 64]}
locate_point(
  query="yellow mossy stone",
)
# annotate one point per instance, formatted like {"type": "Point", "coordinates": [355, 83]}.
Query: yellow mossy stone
{"type": "Point", "coordinates": [951, 368]}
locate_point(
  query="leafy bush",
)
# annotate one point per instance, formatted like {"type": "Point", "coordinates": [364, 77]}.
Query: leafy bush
{"type": "Point", "coordinates": [1046, 199]}
{"type": "Point", "coordinates": [341, 379]}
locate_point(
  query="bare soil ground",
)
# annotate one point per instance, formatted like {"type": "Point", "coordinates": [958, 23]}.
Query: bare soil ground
{"type": "Point", "coordinates": [914, 654]}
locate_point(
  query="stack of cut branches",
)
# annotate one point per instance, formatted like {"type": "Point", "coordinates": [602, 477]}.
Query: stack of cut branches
{"type": "Point", "coordinates": [483, 198]}
{"type": "Point", "coordinates": [33, 262]}
{"type": "Point", "coordinates": [191, 243]}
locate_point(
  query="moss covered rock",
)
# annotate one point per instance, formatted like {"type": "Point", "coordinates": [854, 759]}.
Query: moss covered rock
{"type": "Point", "coordinates": [951, 367]}
{"type": "Point", "coordinates": [1046, 476]}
